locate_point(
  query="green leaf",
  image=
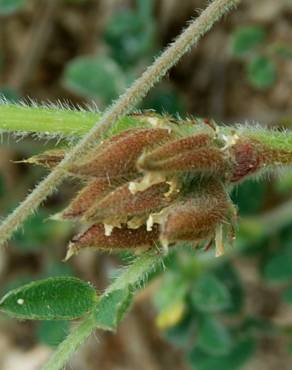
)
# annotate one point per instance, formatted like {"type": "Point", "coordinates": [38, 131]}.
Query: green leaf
{"type": "Point", "coordinates": [209, 294]}
{"type": "Point", "coordinates": [261, 72]}
{"type": "Point", "coordinates": [52, 333]}
{"type": "Point", "coordinates": [58, 298]}
{"type": "Point", "coordinates": [94, 77]}
{"type": "Point", "coordinates": [235, 359]}
{"type": "Point", "coordinates": [287, 295]}
{"type": "Point", "coordinates": [10, 6]}
{"type": "Point", "coordinates": [247, 38]}
{"type": "Point", "coordinates": [112, 307]}
{"type": "Point", "coordinates": [279, 268]}
{"type": "Point", "coordinates": [213, 336]}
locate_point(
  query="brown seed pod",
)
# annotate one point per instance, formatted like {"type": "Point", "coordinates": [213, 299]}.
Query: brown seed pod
{"type": "Point", "coordinates": [196, 218]}
{"type": "Point", "coordinates": [118, 157]}
{"type": "Point", "coordinates": [209, 160]}
{"type": "Point", "coordinates": [48, 159]}
{"type": "Point", "coordinates": [91, 193]}
{"type": "Point", "coordinates": [120, 239]}
{"type": "Point", "coordinates": [175, 147]}
{"type": "Point", "coordinates": [121, 203]}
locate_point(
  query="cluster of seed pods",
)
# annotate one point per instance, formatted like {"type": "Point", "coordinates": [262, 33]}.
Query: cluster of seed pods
{"type": "Point", "coordinates": [160, 183]}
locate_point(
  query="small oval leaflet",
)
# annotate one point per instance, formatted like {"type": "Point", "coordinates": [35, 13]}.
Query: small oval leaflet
{"type": "Point", "coordinates": [57, 298]}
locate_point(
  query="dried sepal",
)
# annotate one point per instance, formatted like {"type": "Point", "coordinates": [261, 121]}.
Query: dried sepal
{"type": "Point", "coordinates": [119, 239]}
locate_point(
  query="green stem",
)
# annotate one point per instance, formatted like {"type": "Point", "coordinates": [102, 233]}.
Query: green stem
{"type": "Point", "coordinates": [70, 344]}
{"type": "Point", "coordinates": [61, 121]}
{"type": "Point", "coordinates": [45, 120]}
{"type": "Point", "coordinates": [131, 276]}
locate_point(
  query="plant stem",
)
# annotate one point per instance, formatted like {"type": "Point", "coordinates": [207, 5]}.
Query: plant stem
{"type": "Point", "coordinates": [45, 120]}
{"type": "Point", "coordinates": [133, 275]}
{"type": "Point", "coordinates": [71, 343]}
{"type": "Point", "coordinates": [60, 122]}
{"type": "Point", "coordinates": [196, 29]}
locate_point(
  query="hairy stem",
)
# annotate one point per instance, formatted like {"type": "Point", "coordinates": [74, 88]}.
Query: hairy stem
{"type": "Point", "coordinates": [45, 120]}
{"type": "Point", "coordinates": [196, 29]}
{"type": "Point", "coordinates": [70, 344]}
{"type": "Point", "coordinates": [131, 276]}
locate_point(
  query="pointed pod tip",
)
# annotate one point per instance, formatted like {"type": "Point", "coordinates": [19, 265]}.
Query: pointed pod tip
{"type": "Point", "coordinates": [72, 251]}
{"type": "Point", "coordinates": [57, 217]}
{"type": "Point", "coordinates": [28, 160]}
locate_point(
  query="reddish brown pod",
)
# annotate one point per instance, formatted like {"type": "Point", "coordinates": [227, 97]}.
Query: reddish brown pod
{"type": "Point", "coordinates": [175, 147]}
{"type": "Point", "coordinates": [119, 239]}
{"type": "Point", "coordinates": [120, 204]}
{"type": "Point", "coordinates": [118, 156]}
{"type": "Point", "coordinates": [96, 189]}
{"type": "Point", "coordinates": [206, 160]}
{"type": "Point", "coordinates": [197, 217]}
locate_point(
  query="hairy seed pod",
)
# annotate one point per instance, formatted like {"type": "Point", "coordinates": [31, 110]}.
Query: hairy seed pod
{"type": "Point", "coordinates": [196, 218]}
{"type": "Point", "coordinates": [91, 193]}
{"type": "Point", "coordinates": [173, 148]}
{"type": "Point", "coordinates": [209, 160]}
{"type": "Point", "coordinates": [121, 203]}
{"type": "Point", "coordinates": [118, 158]}
{"type": "Point", "coordinates": [120, 239]}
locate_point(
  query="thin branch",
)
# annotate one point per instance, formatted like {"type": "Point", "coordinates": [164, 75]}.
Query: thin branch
{"type": "Point", "coordinates": [190, 36]}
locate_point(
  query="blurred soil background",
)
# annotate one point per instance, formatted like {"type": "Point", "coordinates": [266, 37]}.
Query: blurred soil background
{"type": "Point", "coordinates": [81, 51]}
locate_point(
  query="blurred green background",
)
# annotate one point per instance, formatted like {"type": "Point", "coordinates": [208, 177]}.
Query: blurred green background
{"type": "Point", "coordinates": [202, 313]}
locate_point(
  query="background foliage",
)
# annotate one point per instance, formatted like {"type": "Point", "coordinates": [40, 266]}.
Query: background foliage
{"type": "Point", "coordinates": [200, 313]}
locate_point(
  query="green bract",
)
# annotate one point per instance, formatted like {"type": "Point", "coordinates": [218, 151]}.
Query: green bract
{"type": "Point", "coordinates": [112, 308]}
